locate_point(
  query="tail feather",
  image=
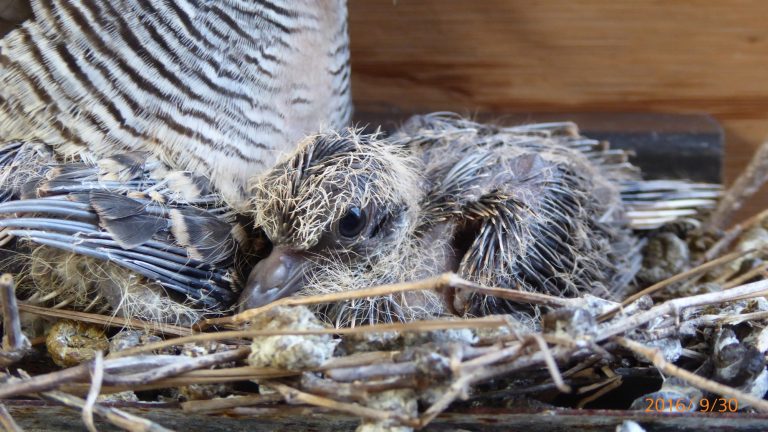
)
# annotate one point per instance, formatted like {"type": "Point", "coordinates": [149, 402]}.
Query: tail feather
{"type": "Point", "coordinates": [654, 203]}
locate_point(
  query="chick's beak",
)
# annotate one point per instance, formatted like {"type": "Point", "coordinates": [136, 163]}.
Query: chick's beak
{"type": "Point", "coordinates": [276, 276]}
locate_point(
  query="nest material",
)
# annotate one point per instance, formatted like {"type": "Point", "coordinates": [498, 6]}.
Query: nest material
{"type": "Point", "coordinates": [703, 329]}
{"type": "Point", "coordinates": [707, 343]}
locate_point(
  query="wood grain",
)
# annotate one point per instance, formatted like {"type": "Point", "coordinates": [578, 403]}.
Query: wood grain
{"type": "Point", "coordinates": [689, 56]}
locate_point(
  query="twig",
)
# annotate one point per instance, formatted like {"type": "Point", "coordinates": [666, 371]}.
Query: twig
{"type": "Point", "coordinates": [185, 364]}
{"type": "Point", "coordinates": [674, 279]}
{"type": "Point", "coordinates": [205, 376]}
{"type": "Point", "coordinates": [459, 388]}
{"type": "Point", "coordinates": [112, 321]}
{"type": "Point", "coordinates": [77, 373]}
{"type": "Point", "coordinates": [415, 326]}
{"type": "Point", "coordinates": [751, 274]}
{"type": "Point", "coordinates": [15, 345]}
{"type": "Point", "coordinates": [673, 307]}
{"type": "Point", "coordinates": [551, 364]}
{"type": "Point", "coordinates": [469, 372]}
{"type": "Point", "coordinates": [717, 320]}
{"type": "Point", "coordinates": [657, 358]}
{"type": "Point", "coordinates": [446, 280]}
{"type": "Point", "coordinates": [373, 371]}
{"type": "Point", "coordinates": [93, 393]}
{"type": "Point", "coordinates": [359, 359]}
{"type": "Point", "coordinates": [7, 422]}
{"type": "Point", "coordinates": [729, 236]}
{"type": "Point", "coordinates": [115, 416]}
{"type": "Point", "coordinates": [355, 391]}
{"type": "Point", "coordinates": [749, 182]}
{"type": "Point", "coordinates": [503, 354]}
{"type": "Point", "coordinates": [293, 395]}
{"type": "Point", "coordinates": [608, 385]}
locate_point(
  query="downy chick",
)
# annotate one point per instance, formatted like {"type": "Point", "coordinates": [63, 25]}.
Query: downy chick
{"type": "Point", "coordinates": [536, 208]}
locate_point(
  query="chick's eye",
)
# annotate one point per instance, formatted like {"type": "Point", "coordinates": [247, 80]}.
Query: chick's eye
{"type": "Point", "coordinates": [353, 222]}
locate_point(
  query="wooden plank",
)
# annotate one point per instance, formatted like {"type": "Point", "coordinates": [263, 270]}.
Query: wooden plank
{"type": "Point", "coordinates": [36, 416]}
{"type": "Point", "coordinates": [676, 146]}
{"type": "Point", "coordinates": [693, 56]}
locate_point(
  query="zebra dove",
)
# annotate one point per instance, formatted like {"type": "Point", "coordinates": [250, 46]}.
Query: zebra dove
{"type": "Point", "coordinates": [129, 131]}
{"type": "Point", "coordinates": [535, 207]}
{"type": "Point", "coordinates": [221, 89]}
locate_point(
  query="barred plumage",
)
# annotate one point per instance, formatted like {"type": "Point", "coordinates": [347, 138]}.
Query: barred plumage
{"type": "Point", "coordinates": [220, 88]}
{"type": "Point", "coordinates": [129, 130]}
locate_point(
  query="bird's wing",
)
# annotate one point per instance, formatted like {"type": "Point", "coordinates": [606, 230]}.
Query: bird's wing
{"type": "Point", "coordinates": [173, 232]}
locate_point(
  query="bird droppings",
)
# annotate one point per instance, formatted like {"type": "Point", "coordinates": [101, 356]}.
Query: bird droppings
{"type": "Point", "coordinates": [290, 352]}
{"type": "Point", "coordinates": [381, 341]}
{"type": "Point", "coordinates": [127, 339]}
{"type": "Point", "coordinates": [401, 403]}
{"type": "Point", "coordinates": [570, 322]}
{"type": "Point", "coordinates": [664, 256]}
{"type": "Point", "coordinates": [125, 396]}
{"type": "Point", "coordinates": [203, 391]}
{"type": "Point", "coordinates": [72, 342]}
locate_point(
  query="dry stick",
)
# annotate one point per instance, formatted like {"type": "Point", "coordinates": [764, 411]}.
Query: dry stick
{"type": "Point", "coordinates": [551, 364]}
{"type": "Point", "coordinates": [755, 272]}
{"type": "Point", "coordinates": [729, 236]}
{"type": "Point", "coordinates": [372, 371]}
{"type": "Point", "coordinates": [459, 387]}
{"type": "Point", "coordinates": [749, 182]}
{"type": "Point", "coordinates": [673, 307]}
{"type": "Point", "coordinates": [356, 391]}
{"type": "Point", "coordinates": [657, 358]}
{"type": "Point", "coordinates": [293, 395]}
{"type": "Point", "coordinates": [716, 320]}
{"type": "Point", "coordinates": [363, 372]}
{"type": "Point", "coordinates": [115, 416]}
{"type": "Point", "coordinates": [93, 393]}
{"type": "Point", "coordinates": [112, 321]}
{"type": "Point", "coordinates": [608, 386]}
{"type": "Point", "coordinates": [494, 356]}
{"type": "Point", "coordinates": [582, 365]}
{"type": "Point", "coordinates": [7, 422]}
{"type": "Point", "coordinates": [469, 372]}
{"type": "Point", "coordinates": [15, 345]}
{"type": "Point", "coordinates": [360, 359]}
{"type": "Point", "coordinates": [80, 372]}
{"type": "Point", "coordinates": [215, 376]}
{"type": "Point", "coordinates": [188, 364]}
{"type": "Point", "coordinates": [445, 280]}
{"type": "Point", "coordinates": [674, 279]}
{"type": "Point", "coordinates": [415, 326]}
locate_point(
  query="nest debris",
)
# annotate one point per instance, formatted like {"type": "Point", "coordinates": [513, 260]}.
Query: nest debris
{"type": "Point", "coordinates": [386, 371]}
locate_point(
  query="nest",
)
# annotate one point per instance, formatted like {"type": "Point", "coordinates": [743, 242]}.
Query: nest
{"type": "Point", "coordinates": [695, 340]}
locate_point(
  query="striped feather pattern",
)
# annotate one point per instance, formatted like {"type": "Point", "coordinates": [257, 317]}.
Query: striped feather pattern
{"type": "Point", "coordinates": [222, 88]}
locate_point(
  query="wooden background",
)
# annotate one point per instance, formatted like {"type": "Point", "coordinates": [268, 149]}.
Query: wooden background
{"type": "Point", "coordinates": [693, 56]}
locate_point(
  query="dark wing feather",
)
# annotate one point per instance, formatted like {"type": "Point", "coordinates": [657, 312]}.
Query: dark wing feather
{"type": "Point", "coordinates": [87, 211]}
{"type": "Point", "coordinates": [126, 219]}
